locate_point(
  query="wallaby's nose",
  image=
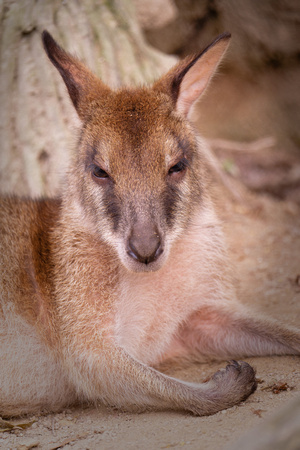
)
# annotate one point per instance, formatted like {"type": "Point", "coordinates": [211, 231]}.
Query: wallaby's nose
{"type": "Point", "coordinates": [144, 243]}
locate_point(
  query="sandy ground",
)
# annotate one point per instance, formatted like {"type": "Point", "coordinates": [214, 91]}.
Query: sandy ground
{"type": "Point", "coordinates": [264, 240]}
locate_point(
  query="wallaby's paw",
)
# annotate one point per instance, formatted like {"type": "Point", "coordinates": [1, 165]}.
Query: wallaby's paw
{"type": "Point", "coordinates": [226, 388]}
{"type": "Point", "coordinates": [234, 383]}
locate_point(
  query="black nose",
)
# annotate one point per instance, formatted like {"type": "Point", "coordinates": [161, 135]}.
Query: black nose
{"type": "Point", "coordinates": [144, 244]}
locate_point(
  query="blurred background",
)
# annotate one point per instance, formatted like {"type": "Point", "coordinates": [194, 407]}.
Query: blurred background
{"type": "Point", "coordinates": [250, 112]}
{"type": "Point", "coordinates": [250, 117]}
{"type": "Point", "coordinates": [257, 97]}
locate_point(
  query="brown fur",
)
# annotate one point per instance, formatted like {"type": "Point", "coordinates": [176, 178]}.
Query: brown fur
{"type": "Point", "coordinates": [129, 267]}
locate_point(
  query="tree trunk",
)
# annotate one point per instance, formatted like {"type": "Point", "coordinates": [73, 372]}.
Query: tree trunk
{"type": "Point", "coordinates": [36, 134]}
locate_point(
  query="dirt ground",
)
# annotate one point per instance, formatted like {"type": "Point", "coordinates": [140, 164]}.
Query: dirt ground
{"type": "Point", "coordinates": [264, 241]}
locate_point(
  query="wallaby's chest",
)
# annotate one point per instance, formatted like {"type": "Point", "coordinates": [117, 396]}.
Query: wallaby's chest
{"type": "Point", "coordinates": [151, 307]}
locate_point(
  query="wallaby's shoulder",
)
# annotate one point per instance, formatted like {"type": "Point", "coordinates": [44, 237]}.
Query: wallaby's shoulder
{"type": "Point", "coordinates": [25, 228]}
{"type": "Point", "coordinates": [21, 215]}
{"type": "Point", "coordinates": [26, 253]}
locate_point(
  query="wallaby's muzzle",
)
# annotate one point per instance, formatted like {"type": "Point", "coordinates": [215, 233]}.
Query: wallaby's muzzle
{"type": "Point", "coordinates": [144, 243]}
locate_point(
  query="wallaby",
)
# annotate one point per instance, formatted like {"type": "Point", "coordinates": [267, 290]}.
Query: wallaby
{"type": "Point", "coordinates": [128, 268]}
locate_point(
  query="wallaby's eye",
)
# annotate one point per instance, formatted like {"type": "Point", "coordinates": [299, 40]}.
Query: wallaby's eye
{"type": "Point", "coordinates": [179, 167]}
{"type": "Point", "coordinates": [99, 173]}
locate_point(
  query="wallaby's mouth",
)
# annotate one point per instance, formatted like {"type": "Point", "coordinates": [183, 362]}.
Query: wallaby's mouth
{"type": "Point", "coordinates": [144, 259]}
{"type": "Point", "coordinates": [148, 261]}
{"type": "Point", "coordinates": [134, 265]}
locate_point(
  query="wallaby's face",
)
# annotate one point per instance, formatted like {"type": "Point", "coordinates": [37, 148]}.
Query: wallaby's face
{"type": "Point", "coordinates": [138, 174]}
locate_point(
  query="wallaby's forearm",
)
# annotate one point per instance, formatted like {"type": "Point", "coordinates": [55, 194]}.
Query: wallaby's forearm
{"type": "Point", "coordinates": [115, 378]}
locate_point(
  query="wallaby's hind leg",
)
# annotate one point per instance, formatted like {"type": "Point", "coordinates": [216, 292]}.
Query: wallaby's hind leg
{"type": "Point", "coordinates": [222, 333]}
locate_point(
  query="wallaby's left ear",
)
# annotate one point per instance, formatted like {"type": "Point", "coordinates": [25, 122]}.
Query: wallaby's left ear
{"type": "Point", "coordinates": [189, 78]}
{"type": "Point", "coordinates": [82, 84]}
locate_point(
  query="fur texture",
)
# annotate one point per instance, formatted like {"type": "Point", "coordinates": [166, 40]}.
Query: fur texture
{"type": "Point", "coordinates": [128, 268]}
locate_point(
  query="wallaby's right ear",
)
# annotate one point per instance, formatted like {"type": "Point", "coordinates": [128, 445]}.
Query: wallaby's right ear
{"type": "Point", "coordinates": [82, 84]}
{"type": "Point", "coordinates": [187, 81]}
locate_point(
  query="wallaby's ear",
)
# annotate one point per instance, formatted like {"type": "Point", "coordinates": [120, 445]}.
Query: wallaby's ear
{"type": "Point", "coordinates": [188, 79]}
{"type": "Point", "coordinates": [82, 84]}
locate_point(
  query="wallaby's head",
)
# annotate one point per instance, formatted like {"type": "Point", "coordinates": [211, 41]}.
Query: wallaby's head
{"type": "Point", "coordinates": [138, 176]}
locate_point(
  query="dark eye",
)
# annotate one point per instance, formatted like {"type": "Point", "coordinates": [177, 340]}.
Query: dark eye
{"type": "Point", "coordinates": [99, 173]}
{"type": "Point", "coordinates": [179, 167]}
